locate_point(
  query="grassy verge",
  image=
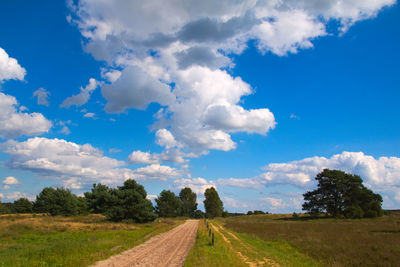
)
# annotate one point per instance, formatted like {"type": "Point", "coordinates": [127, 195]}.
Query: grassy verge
{"type": "Point", "coordinates": [29, 240]}
{"type": "Point", "coordinates": [236, 249]}
{"type": "Point", "coordinates": [203, 254]}
{"type": "Point", "coordinates": [332, 242]}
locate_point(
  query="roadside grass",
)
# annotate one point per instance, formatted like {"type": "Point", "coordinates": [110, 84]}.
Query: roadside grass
{"type": "Point", "coordinates": [36, 240]}
{"type": "Point", "coordinates": [237, 249]}
{"type": "Point", "coordinates": [203, 254]}
{"type": "Point", "coordinates": [331, 242]}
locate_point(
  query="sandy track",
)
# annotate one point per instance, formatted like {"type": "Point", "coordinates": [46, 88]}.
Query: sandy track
{"type": "Point", "coordinates": [167, 249]}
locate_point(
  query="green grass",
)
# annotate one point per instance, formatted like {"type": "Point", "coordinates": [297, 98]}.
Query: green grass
{"type": "Point", "coordinates": [203, 254]}
{"type": "Point", "coordinates": [27, 240]}
{"type": "Point", "coordinates": [331, 242]}
{"type": "Point", "coordinates": [237, 249]}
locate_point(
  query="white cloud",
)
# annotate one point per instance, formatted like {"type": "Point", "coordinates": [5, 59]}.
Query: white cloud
{"type": "Point", "coordinates": [9, 68]}
{"type": "Point", "coordinates": [114, 150]}
{"type": "Point", "coordinates": [177, 56]}
{"type": "Point", "coordinates": [77, 165]}
{"type": "Point", "coordinates": [135, 89]}
{"type": "Point", "coordinates": [234, 203]}
{"type": "Point", "coordinates": [42, 96]}
{"type": "Point", "coordinates": [151, 197]}
{"type": "Point", "coordinates": [1, 196]}
{"type": "Point", "coordinates": [10, 180]}
{"type": "Point", "coordinates": [6, 187]}
{"type": "Point", "coordinates": [15, 123]}
{"type": "Point", "coordinates": [165, 138]}
{"type": "Point", "coordinates": [89, 115]}
{"type": "Point", "coordinates": [274, 203]}
{"type": "Point", "coordinates": [142, 157]}
{"type": "Point", "coordinates": [18, 195]}
{"type": "Point", "coordinates": [72, 183]}
{"type": "Point", "coordinates": [65, 130]}
{"type": "Point", "coordinates": [382, 175]}
{"type": "Point", "coordinates": [83, 96]}
{"type": "Point", "coordinates": [198, 185]}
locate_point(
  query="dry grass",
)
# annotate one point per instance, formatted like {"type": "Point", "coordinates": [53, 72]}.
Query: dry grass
{"type": "Point", "coordinates": [39, 240]}
{"type": "Point", "coordinates": [334, 242]}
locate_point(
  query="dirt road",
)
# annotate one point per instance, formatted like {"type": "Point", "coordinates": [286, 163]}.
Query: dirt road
{"type": "Point", "coordinates": [167, 249]}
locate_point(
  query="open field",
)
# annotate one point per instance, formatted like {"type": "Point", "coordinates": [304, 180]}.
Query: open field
{"type": "Point", "coordinates": [36, 240]}
{"type": "Point", "coordinates": [236, 249]}
{"type": "Point", "coordinates": [330, 242]}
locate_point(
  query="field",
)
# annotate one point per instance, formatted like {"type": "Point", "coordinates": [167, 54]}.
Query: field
{"type": "Point", "coordinates": [36, 240]}
{"type": "Point", "coordinates": [329, 242]}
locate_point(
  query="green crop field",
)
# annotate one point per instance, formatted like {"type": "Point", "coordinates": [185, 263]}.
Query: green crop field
{"type": "Point", "coordinates": [36, 240]}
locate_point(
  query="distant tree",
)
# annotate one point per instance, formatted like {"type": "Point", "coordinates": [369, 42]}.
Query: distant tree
{"type": "Point", "coordinates": [225, 214]}
{"type": "Point", "coordinates": [212, 203]}
{"type": "Point", "coordinates": [59, 201]}
{"type": "Point", "coordinates": [188, 200]}
{"type": "Point", "coordinates": [98, 198]}
{"type": "Point", "coordinates": [23, 205]}
{"type": "Point", "coordinates": [249, 212]}
{"type": "Point", "coordinates": [168, 204]}
{"type": "Point", "coordinates": [128, 202]}
{"type": "Point", "coordinates": [342, 194]}
{"type": "Point", "coordinates": [198, 214]}
{"type": "Point", "coordinates": [258, 212]}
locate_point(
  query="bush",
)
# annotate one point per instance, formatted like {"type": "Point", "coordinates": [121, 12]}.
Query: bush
{"type": "Point", "coordinates": [23, 205]}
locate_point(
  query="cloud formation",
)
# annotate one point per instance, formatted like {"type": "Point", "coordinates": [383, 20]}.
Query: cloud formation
{"type": "Point", "coordinates": [83, 96]}
{"type": "Point", "coordinates": [42, 96]}
{"type": "Point", "coordinates": [9, 68]}
{"type": "Point", "coordinates": [10, 180]}
{"type": "Point", "coordinates": [14, 123]}
{"type": "Point", "coordinates": [77, 165]}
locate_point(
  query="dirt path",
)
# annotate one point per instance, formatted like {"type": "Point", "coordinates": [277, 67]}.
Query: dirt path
{"type": "Point", "coordinates": [242, 248]}
{"type": "Point", "coordinates": [167, 249]}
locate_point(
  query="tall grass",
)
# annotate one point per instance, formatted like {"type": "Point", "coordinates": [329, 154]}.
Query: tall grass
{"type": "Point", "coordinates": [31, 240]}
{"type": "Point", "coordinates": [334, 242]}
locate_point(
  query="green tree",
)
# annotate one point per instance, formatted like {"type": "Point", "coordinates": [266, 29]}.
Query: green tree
{"type": "Point", "coordinates": [198, 214]}
{"type": "Point", "coordinates": [23, 205]}
{"type": "Point", "coordinates": [168, 204]}
{"type": "Point", "coordinates": [212, 203]}
{"type": "Point", "coordinates": [188, 200]}
{"type": "Point", "coordinates": [128, 202]}
{"type": "Point", "coordinates": [342, 194]}
{"type": "Point", "coordinates": [98, 198]}
{"type": "Point", "coordinates": [59, 201]}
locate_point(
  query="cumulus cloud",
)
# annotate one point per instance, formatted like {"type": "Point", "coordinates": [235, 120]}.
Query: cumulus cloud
{"type": "Point", "coordinates": [135, 89]}
{"type": "Point", "coordinates": [14, 123]}
{"type": "Point", "coordinates": [89, 115]}
{"type": "Point", "coordinates": [42, 96]}
{"type": "Point", "coordinates": [198, 185]}
{"type": "Point", "coordinates": [18, 195]}
{"type": "Point", "coordinates": [83, 96]}
{"type": "Point", "coordinates": [168, 155]}
{"type": "Point", "coordinates": [77, 165]}
{"type": "Point", "coordinates": [379, 174]}
{"type": "Point", "coordinates": [177, 56]}
{"type": "Point", "coordinates": [9, 68]}
{"type": "Point", "coordinates": [10, 180]}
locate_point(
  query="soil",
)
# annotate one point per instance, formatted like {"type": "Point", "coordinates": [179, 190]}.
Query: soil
{"type": "Point", "coordinates": [167, 249]}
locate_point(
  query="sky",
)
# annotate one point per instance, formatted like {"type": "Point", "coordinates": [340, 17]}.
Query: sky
{"type": "Point", "coordinates": [251, 97]}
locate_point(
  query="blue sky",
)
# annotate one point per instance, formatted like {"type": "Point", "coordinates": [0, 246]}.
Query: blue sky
{"type": "Point", "coordinates": [253, 98]}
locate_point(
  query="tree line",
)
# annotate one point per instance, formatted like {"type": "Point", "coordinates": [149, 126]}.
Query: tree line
{"type": "Point", "coordinates": [128, 202]}
{"type": "Point", "coordinates": [338, 194]}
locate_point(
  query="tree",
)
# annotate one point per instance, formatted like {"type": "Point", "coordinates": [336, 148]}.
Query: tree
{"type": "Point", "coordinates": [59, 201]}
{"type": "Point", "coordinates": [188, 200]}
{"type": "Point", "coordinates": [342, 194]}
{"type": "Point", "coordinates": [168, 204]}
{"type": "Point", "coordinates": [212, 203]}
{"type": "Point", "coordinates": [97, 199]}
{"type": "Point", "coordinates": [128, 202]}
{"type": "Point", "coordinates": [198, 214]}
{"type": "Point", "coordinates": [23, 205]}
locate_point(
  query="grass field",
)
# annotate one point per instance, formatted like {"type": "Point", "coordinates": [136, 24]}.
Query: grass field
{"type": "Point", "coordinates": [330, 242]}
{"type": "Point", "coordinates": [36, 240]}
{"type": "Point", "coordinates": [236, 249]}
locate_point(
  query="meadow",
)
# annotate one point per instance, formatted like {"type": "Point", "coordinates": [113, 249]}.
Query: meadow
{"type": "Point", "coordinates": [328, 241]}
{"type": "Point", "coordinates": [39, 240]}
